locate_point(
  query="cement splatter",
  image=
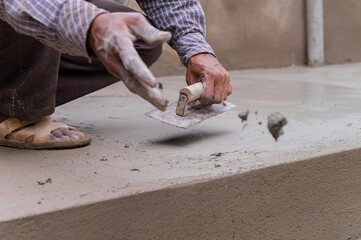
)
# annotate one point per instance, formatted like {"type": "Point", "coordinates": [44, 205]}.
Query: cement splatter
{"type": "Point", "coordinates": [244, 115]}
{"type": "Point", "coordinates": [160, 85]}
{"type": "Point", "coordinates": [276, 122]}
{"type": "Point", "coordinates": [216, 154]}
{"type": "Point", "coordinates": [45, 182]}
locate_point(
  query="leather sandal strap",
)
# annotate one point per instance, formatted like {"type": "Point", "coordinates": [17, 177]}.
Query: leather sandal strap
{"type": "Point", "coordinates": [10, 125]}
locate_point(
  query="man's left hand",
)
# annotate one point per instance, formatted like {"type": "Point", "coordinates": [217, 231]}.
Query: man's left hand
{"type": "Point", "coordinates": [205, 68]}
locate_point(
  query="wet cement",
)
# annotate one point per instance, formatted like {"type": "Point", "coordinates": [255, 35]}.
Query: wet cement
{"type": "Point", "coordinates": [276, 122]}
{"type": "Point", "coordinates": [244, 115]}
{"type": "Point", "coordinates": [216, 171]}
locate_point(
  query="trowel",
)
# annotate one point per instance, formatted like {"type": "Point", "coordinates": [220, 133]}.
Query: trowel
{"type": "Point", "coordinates": [184, 115]}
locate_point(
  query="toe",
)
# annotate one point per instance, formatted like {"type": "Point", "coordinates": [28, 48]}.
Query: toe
{"type": "Point", "coordinates": [65, 138]}
{"type": "Point", "coordinates": [65, 131]}
{"type": "Point", "coordinates": [57, 133]}
{"type": "Point", "coordinates": [65, 134]}
{"type": "Point", "coordinates": [30, 139]}
{"type": "Point", "coordinates": [79, 134]}
{"type": "Point", "coordinates": [74, 136]}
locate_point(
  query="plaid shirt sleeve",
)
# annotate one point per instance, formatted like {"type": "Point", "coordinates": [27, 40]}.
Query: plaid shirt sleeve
{"type": "Point", "coordinates": [59, 24]}
{"type": "Point", "coordinates": [185, 20]}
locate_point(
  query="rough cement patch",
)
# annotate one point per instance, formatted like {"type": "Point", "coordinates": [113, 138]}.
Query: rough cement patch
{"type": "Point", "coordinates": [276, 122]}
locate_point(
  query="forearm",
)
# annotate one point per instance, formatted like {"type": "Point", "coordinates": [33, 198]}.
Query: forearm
{"type": "Point", "coordinates": [185, 20]}
{"type": "Point", "coordinates": [60, 24]}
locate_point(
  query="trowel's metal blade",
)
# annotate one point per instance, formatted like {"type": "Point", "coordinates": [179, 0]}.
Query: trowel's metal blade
{"type": "Point", "coordinates": [193, 114]}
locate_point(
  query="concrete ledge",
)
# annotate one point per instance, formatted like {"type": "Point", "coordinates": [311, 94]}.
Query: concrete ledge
{"type": "Point", "coordinates": [314, 199]}
{"type": "Point", "coordinates": [141, 179]}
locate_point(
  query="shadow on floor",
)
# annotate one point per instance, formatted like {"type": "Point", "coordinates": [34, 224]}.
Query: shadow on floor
{"type": "Point", "coordinates": [186, 139]}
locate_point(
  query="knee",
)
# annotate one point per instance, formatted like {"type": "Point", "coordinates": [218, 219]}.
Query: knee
{"type": "Point", "coordinates": [149, 54]}
{"type": "Point", "coordinates": [156, 53]}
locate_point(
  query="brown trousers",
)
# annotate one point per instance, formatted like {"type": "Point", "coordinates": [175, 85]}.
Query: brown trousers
{"type": "Point", "coordinates": [34, 78]}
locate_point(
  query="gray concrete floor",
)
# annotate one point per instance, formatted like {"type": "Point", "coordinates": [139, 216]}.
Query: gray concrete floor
{"type": "Point", "coordinates": [132, 154]}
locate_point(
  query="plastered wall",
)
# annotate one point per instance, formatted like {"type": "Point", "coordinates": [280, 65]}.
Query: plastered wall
{"type": "Point", "coordinates": [272, 33]}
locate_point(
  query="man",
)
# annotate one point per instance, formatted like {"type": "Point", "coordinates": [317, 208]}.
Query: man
{"type": "Point", "coordinates": [33, 34]}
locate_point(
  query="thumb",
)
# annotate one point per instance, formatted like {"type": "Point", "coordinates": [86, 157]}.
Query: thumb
{"type": "Point", "coordinates": [143, 30]}
{"type": "Point", "coordinates": [153, 36]}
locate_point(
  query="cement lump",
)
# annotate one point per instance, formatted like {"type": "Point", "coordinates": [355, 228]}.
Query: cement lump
{"type": "Point", "coordinates": [244, 115]}
{"type": "Point", "coordinates": [276, 122]}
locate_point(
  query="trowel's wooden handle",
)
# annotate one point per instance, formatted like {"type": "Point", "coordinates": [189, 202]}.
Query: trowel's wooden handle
{"type": "Point", "coordinates": [193, 92]}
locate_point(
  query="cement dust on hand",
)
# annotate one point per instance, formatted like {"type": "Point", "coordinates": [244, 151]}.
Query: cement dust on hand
{"type": "Point", "coordinates": [244, 115]}
{"type": "Point", "coordinates": [276, 122]}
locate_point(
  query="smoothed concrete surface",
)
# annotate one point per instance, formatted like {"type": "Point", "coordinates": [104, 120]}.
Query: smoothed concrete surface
{"type": "Point", "coordinates": [142, 179]}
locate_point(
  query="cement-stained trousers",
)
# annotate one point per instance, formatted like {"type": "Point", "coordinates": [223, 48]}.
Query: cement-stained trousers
{"type": "Point", "coordinates": [34, 78]}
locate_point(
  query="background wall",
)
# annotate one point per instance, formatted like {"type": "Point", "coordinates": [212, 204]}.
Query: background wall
{"type": "Point", "coordinates": [272, 33]}
{"type": "Point", "coordinates": [262, 33]}
{"type": "Point", "coordinates": [342, 31]}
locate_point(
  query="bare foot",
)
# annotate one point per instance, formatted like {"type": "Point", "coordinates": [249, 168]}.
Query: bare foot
{"type": "Point", "coordinates": [62, 134]}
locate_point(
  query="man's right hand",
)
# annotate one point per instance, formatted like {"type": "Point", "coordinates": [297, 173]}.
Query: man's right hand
{"type": "Point", "coordinates": [111, 37]}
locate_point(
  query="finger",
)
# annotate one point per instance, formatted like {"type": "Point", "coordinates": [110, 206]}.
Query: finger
{"type": "Point", "coordinates": [218, 89]}
{"type": "Point", "coordinates": [191, 78]}
{"type": "Point", "coordinates": [133, 63]}
{"type": "Point", "coordinates": [152, 95]}
{"type": "Point", "coordinates": [151, 35]}
{"type": "Point", "coordinates": [208, 88]}
{"type": "Point", "coordinates": [229, 88]}
{"type": "Point", "coordinates": [142, 29]}
{"type": "Point", "coordinates": [229, 85]}
{"type": "Point", "coordinates": [225, 84]}
{"type": "Point", "coordinates": [114, 66]}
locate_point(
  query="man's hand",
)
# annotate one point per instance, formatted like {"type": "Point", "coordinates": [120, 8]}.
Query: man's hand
{"type": "Point", "coordinates": [111, 37]}
{"type": "Point", "coordinates": [205, 68]}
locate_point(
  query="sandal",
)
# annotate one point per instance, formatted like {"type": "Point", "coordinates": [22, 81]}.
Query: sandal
{"type": "Point", "coordinates": [36, 134]}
